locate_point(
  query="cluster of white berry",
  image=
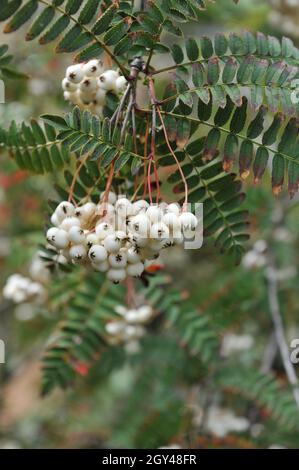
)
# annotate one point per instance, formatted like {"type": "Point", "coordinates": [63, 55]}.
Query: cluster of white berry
{"type": "Point", "coordinates": [86, 85]}
{"type": "Point", "coordinates": [116, 235]}
{"type": "Point", "coordinates": [130, 328]}
{"type": "Point", "coordinates": [256, 257]}
{"type": "Point", "coordinates": [20, 289]}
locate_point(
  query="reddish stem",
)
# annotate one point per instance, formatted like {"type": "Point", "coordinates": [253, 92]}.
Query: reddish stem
{"type": "Point", "coordinates": [175, 157]}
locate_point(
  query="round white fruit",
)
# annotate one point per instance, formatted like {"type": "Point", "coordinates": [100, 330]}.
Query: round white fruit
{"type": "Point", "coordinates": [140, 206]}
{"type": "Point", "coordinates": [116, 275]}
{"type": "Point", "coordinates": [70, 222]}
{"type": "Point", "coordinates": [97, 254]}
{"type": "Point", "coordinates": [188, 220]}
{"type": "Point", "coordinates": [123, 207]}
{"type": "Point", "coordinates": [132, 316]}
{"type": "Point", "coordinates": [103, 230]}
{"type": "Point", "coordinates": [111, 197]}
{"type": "Point", "coordinates": [121, 310]}
{"type": "Point", "coordinates": [68, 86]}
{"type": "Point", "coordinates": [115, 327]}
{"type": "Point", "coordinates": [61, 239]}
{"type": "Point", "coordinates": [51, 234]}
{"type": "Point", "coordinates": [118, 260]}
{"type": "Point", "coordinates": [133, 331]}
{"type": "Point", "coordinates": [112, 243]}
{"type": "Point", "coordinates": [140, 225]}
{"type": "Point", "coordinates": [65, 209]}
{"type": "Point", "coordinates": [55, 219]}
{"type": "Point", "coordinates": [154, 213]}
{"type": "Point", "coordinates": [88, 85]}
{"type": "Point", "coordinates": [172, 221]}
{"type": "Point", "coordinates": [76, 235]}
{"type": "Point", "coordinates": [102, 267]}
{"type": "Point", "coordinates": [144, 313]}
{"type": "Point", "coordinates": [135, 270]}
{"type": "Point", "coordinates": [105, 209]}
{"type": "Point", "coordinates": [138, 240]}
{"type": "Point", "coordinates": [120, 84]}
{"type": "Point", "coordinates": [78, 252]}
{"type": "Point", "coordinates": [88, 210]}
{"type": "Point", "coordinates": [100, 97]}
{"type": "Point", "coordinates": [85, 97]}
{"type": "Point", "coordinates": [174, 208]}
{"type": "Point", "coordinates": [133, 255]}
{"type": "Point", "coordinates": [93, 68]}
{"type": "Point", "coordinates": [74, 73]}
{"type": "Point", "coordinates": [92, 239]}
{"type": "Point", "coordinates": [107, 80]}
{"type": "Point", "coordinates": [159, 231]}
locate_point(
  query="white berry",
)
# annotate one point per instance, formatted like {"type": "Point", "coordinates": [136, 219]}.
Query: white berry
{"type": "Point", "coordinates": [76, 235]}
{"type": "Point", "coordinates": [112, 243]}
{"type": "Point", "coordinates": [118, 260]}
{"type": "Point", "coordinates": [140, 206]}
{"type": "Point", "coordinates": [172, 221]}
{"type": "Point", "coordinates": [102, 267]}
{"type": "Point", "coordinates": [97, 253]}
{"type": "Point", "coordinates": [138, 240]}
{"type": "Point", "coordinates": [115, 327]}
{"type": "Point", "coordinates": [68, 86]}
{"type": "Point", "coordinates": [135, 270]}
{"type": "Point", "coordinates": [174, 208]}
{"type": "Point", "coordinates": [133, 255]}
{"type": "Point", "coordinates": [140, 224]}
{"type": "Point", "coordinates": [51, 234]}
{"type": "Point", "coordinates": [93, 68]}
{"type": "Point", "coordinates": [73, 97]}
{"type": "Point", "coordinates": [111, 197]}
{"type": "Point", "coordinates": [55, 219]}
{"type": "Point", "coordinates": [75, 73]}
{"type": "Point", "coordinates": [92, 239]}
{"type": "Point", "coordinates": [69, 222]}
{"type": "Point", "coordinates": [120, 84]}
{"type": "Point", "coordinates": [103, 230]}
{"type": "Point", "coordinates": [188, 220]}
{"type": "Point", "coordinates": [159, 231]}
{"type": "Point", "coordinates": [88, 85]}
{"type": "Point", "coordinates": [154, 213]}
{"type": "Point", "coordinates": [61, 239]}
{"type": "Point", "coordinates": [116, 275]}
{"type": "Point", "coordinates": [88, 210]}
{"type": "Point", "coordinates": [100, 98]}
{"type": "Point", "coordinates": [65, 209]}
{"type": "Point", "coordinates": [123, 207]}
{"type": "Point", "coordinates": [105, 209]}
{"type": "Point", "coordinates": [107, 80]}
{"type": "Point", "coordinates": [78, 252]}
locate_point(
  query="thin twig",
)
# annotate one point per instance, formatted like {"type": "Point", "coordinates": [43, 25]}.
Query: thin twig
{"type": "Point", "coordinates": [76, 174]}
{"type": "Point", "coordinates": [125, 121]}
{"type": "Point", "coordinates": [269, 354]}
{"type": "Point", "coordinates": [133, 116]}
{"type": "Point", "coordinates": [175, 158]}
{"type": "Point", "coordinates": [274, 308]}
{"type": "Point", "coordinates": [115, 117]}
